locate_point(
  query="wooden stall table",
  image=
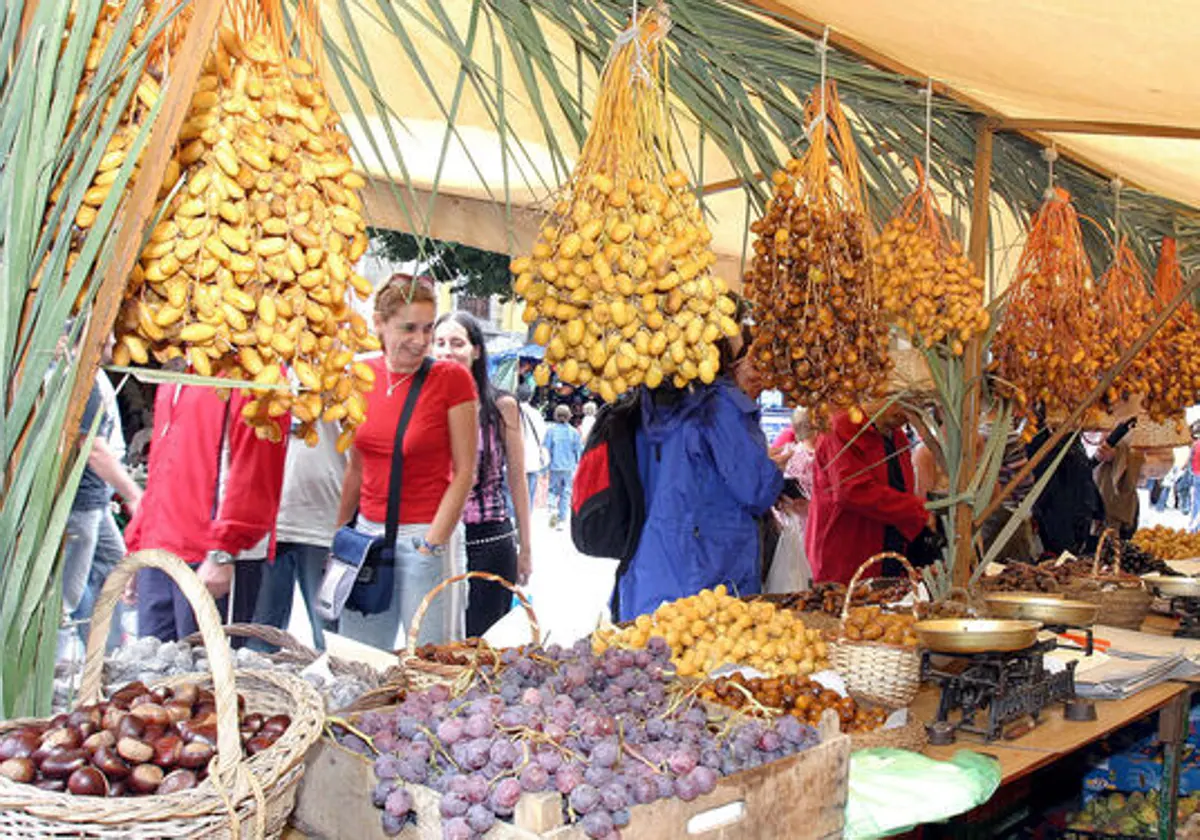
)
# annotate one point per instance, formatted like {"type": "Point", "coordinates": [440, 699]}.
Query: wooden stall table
{"type": "Point", "coordinates": [1055, 738]}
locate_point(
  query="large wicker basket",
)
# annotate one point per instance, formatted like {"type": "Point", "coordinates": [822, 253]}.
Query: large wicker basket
{"type": "Point", "coordinates": [1124, 602]}
{"type": "Point", "coordinates": [911, 736]}
{"type": "Point", "coordinates": [877, 672]}
{"type": "Point", "coordinates": [242, 797]}
{"type": "Point", "coordinates": [422, 673]}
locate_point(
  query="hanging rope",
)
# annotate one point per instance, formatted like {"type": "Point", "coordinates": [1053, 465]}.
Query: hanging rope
{"type": "Point", "coordinates": [928, 123]}
{"type": "Point", "coordinates": [1050, 154]}
{"type": "Point", "coordinates": [822, 50]}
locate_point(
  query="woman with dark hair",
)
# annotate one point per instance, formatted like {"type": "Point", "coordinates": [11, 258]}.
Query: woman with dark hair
{"type": "Point", "coordinates": [439, 465]}
{"type": "Point", "coordinates": [490, 546]}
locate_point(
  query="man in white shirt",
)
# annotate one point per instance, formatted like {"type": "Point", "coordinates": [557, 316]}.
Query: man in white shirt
{"type": "Point", "coordinates": [589, 420]}
{"type": "Point", "coordinates": [533, 429]}
{"type": "Point", "coordinates": [307, 521]}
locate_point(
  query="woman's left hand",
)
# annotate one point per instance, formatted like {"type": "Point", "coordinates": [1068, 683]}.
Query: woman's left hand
{"type": "Point", "coordinates": [524, 565]}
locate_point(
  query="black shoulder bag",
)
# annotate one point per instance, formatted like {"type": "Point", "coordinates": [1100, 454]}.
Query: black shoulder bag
{"type": "Point", "coordinates": [361, 571]}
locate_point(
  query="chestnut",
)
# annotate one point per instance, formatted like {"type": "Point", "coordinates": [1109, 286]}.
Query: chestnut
{"type": "Point", "coordinates": [152, 713]}
{"type": "Point", "coordinates": [62, 762]}
{"type": "Point", "coordinates": [96, 740]}
{"type": "Point", "coordinates": [153, 732]}
{"type": "Point", "coordinates": [196, 755]}
{"type": "Point", "coordinates": [82, 717]}
{"type": "Point", "coordinates": [52, 785]}
{"type": "Point", "coordinates": [131, 726]}
{"type": "Point", "coordinates": [19, 744]}
{"type": "Point", "coordinates": [167, 750]}
{"type": "Point", "coordinates": [64, 736]}
{"type": "Point", "coordinates": [253, 722]}
{"type": "Point", "coordinates": [187, 693]}
{"type": "Point", "coordinates": [161, 694]}
{"type": "Point", "coordinates": [204, 710]}
{"type": "Point", "coordinates": [146, 778]}
{"type": "Point", "coordinates": [88, 781]}
{"type": "Point", "coordinates": [277, 724]}
{"type": "Point", "coordinates": [58, 721]}
{"type": "Point", "coordinates": [112, 717]}
{"type": "Point", "coordinates": [176, 781]}
{"type": "Point", "coordinates": [258, 743]}
{"type": "Point", "coordinates": [88, 729]}
{"type": "Point", "coordinates": [131, 749]}
{"type": "Point", "coordinates": [141, 700]}
{"type": "Point", "coordinates": [116, 789]}
{"type": "Point", "coordinates": [178, 712]}
{"type": "Point", "coordinates": [206, 696]}
{"type": "Point", "coordinates": [110, 763]}
{"type": "Point", "coordinates": [18, 769]}
{"type": "Point", "coordinates": [206, 734]}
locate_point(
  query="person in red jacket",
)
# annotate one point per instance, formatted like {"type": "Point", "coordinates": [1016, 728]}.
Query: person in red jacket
{"type": "Point", "coordinates": [863, 500]}
{"type": "Point", "coordinates": [212, 495]}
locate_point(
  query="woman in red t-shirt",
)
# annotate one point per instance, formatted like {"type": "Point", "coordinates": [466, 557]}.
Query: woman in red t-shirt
{"type": "Point", "coordinates": [439, 462]}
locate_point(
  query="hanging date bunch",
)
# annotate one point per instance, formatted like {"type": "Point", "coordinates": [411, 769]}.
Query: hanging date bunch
{"type": "Point", "coordinates": [819, 334]}
{"type": "Point", "coordinates": [1172, 357]}
{"type": "Point", "coordinates": [137, 111]}
{"type": "Point", "coordinates": [250, 273]}
{"type": "Point", "coordinates": [1126, 310]}
{"type": "Point", "coordinates": [1050, 347]}
{"type": "Point", "coordinates": [927, 285]}
{"type": "Point", "coordinates": [619, 281]}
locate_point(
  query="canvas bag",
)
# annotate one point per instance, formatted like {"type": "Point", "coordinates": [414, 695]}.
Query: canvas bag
{"type": "Point", "coordinates": [361, 572]}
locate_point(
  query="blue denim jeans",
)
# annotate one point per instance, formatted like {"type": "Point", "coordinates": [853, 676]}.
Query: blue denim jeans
{"type": "Point", "coordinates": [416, 575]}
{"type": "Point", "coordinates": [560, 488]}
{"type": "Point", "coordinates": [532, 480]}
{"type": "Point", "coordinates": [110, 548]}
{"type": "Point", "coordinates": [294, 562]}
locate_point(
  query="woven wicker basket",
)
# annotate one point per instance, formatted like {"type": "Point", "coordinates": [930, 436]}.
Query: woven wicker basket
{"type": "Point", "coordinates": [242, 797]}
{"type": "Point", "coordinates": [422, 673]}
{"type": "Point", "coordinates": [876, 672]}
{"type": "Point", "coordinates": [1123, 602]}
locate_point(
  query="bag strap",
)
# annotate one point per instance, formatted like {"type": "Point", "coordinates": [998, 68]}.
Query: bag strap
{"type": "Point", "coordinates": [392, 522]}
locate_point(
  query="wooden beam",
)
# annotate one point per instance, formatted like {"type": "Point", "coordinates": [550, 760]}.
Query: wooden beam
{"type": "Point", "coordinates": [135, 214]}
{"type": "Point", "coordinates": [812, 28]}
{"type": "Point", "coordinates": [479, 222]}
{"type": "Point", "coordinates": [1176, 132]}
{"type": "Point", "coordinates": [977, 249]}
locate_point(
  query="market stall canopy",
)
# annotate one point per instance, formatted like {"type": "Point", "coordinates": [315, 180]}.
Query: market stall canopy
{"type": "Point", "coordinates": [1107, 61]}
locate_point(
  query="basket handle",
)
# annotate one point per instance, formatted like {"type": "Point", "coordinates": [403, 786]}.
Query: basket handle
{"type": "Point", "coordinates": [263, 632]}
{"type": "Point", "coordinates": [414, 631]}
{"type": "Point", "coordinates": [866, 564]}
{"type": "Point", "coordinates": [1100, 544]}
{"type": "Point", "coordinates": [229, 744]}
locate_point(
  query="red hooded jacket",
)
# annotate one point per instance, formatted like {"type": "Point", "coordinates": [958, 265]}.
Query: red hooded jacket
{"type": "Point", "coordinates": [852, 501]}
{"type": "Point", "coordinates": [198, 498]}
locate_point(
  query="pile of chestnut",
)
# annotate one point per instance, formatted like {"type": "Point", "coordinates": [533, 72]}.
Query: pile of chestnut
{"type": "Point", "coordinates": [141, 741]}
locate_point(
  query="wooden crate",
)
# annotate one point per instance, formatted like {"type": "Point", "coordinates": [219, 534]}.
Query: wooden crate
{"type": "Point", "coordinates": [802, 797]}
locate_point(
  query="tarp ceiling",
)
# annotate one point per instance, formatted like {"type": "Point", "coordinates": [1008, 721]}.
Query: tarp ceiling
{"type": "Point", "coordinates": [1104, 60]}
{"type": "Point", "coordinates": [1087, 60]}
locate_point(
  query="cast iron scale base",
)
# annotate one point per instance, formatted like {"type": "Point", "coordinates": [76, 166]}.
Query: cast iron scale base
{"type": "Point", "coordinates": [1188, 610]}
{"type": "Point", "coordinates": [991, 690]}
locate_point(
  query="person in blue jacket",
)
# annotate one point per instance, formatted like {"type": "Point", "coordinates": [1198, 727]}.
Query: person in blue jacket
{"type": "Point", "coordinates": [706, 474]}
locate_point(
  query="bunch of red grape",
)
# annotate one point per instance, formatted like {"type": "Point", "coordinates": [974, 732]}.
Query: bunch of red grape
{"type": "Point", "coordinates": [603, 731]}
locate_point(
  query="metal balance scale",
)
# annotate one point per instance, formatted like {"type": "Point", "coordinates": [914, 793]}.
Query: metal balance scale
{"type": "Point", "coordinates": [992, 672]}
{"type": "Point", "coordinates": [1183, 595]}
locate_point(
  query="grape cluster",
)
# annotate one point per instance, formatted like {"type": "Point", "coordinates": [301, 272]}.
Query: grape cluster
{"type": "Point", "coordinates": [605, 731]}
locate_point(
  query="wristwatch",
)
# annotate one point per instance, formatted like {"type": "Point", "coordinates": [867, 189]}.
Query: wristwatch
{"type": "Point", "coordinates": [424, 546]}
{"type": "Point", "coordinates": [221, 558]}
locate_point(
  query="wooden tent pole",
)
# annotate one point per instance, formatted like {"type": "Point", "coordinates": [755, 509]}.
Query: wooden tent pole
{"type": "Point", "coordinates": [138, 208]}
{"type": "Point", "coordinates": [964, 530]}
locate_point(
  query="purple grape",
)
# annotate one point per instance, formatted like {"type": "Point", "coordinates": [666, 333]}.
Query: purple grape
{"type": "Point", "coordinates": [620, 817]}
{"type": "Point", "coordinates": [555, 732]}
{"type": "Point", "coordinates": [456, 829]}
{"type": "Point", "coordinates": [387, 766]}
{"type": "Point", "coordinates": [510, 692]}
{"type": "Point", "coordinates": [504, 796]}
{"type": "Point", "coordinates": [568, 778]}
{"type": "Point", "coordinates": [399, 802]}
{"type": "Point", "coordinates": [420, 751]}
{"type": "Point", "coordinates": [504, 754]}
{"type": "Point", "coordinates": [645, 790]}
{"type": "Point", "coordinates": [605, 753]}
{"type": "Point", "coordinates": [666, 787]}
{"type": "Point", "coordinates": [451, 731]}
{"type": "Point", "coordinates": [438, 694]}
{"type": "Point", "coordinates": [408, 727]}
{"type": "Point", "coordinates": [534, 778]}
{"type": "Point", "coordinates": [479, 726]}
{"type": "Point", "coordinates": [392, 825]}
{"type": "Point", "coordinates": [655, 728]}
{"type": "Point", "coordinates": [769, 741]}
{"type": "Point", "coordinates": [475, 788]}
{"type": "Point", "coordinates": [480, 819]}
{"type": "Point", "coordinates": [686, 789]}
{"type": "Point", "coordinates": [476, 754]}
{"type": "Point", "coordinates": [531, 697]}
{"type": "Point", "coordinates": [614, 795]}
{"type": "Point", "coordinates": [549, 758]}
{"type": "Point", "coordinates": [584, 799]}
{"type": "Point", "coordinates": [380, 793]}
{"type": "Point", "coordinates": [682, 761]}
{"type": "Point", "coordinates": [414, 771]}
{"type": "Point", "coordinates": [597, 776]}
{"type": "Point", "coordinates": [598, 824]}
{"type": "Point", "coordinates": [705, 779]}
{"type": "Point", "coordinates": [453, 805]}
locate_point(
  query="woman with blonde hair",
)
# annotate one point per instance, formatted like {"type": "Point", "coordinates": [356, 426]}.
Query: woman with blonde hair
{"type": "Point", "coordinates": [439, 463]}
